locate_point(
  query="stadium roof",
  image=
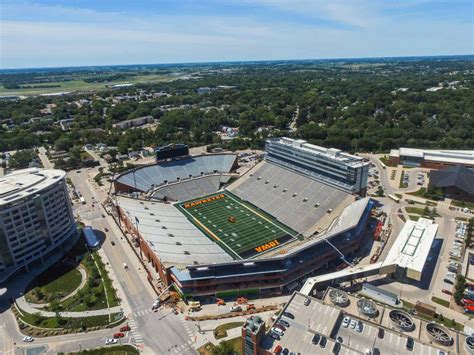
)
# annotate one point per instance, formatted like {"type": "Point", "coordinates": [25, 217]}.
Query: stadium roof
{"type": "Point", "coordinates": [412, 246]}
{"type": "Point", "coordinates": [458, 176]}
{"type": "Point", "coordinates": [152, 176]}
{"type": "Point", "coordinates": [22, 183]}
{"type": "Point", "coordinates": [465, 157]}
{"type": "Point", "coordinates": [169, 233]}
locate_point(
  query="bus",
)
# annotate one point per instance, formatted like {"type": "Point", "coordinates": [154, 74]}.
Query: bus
{"type": "Point", "coordinates": [395, 198]}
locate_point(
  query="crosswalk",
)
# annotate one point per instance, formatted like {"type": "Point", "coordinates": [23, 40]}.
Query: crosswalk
{"type": "Point", "coordinates": [186, 326]}
{"type": "Point", "coordinates": [134, 330]}
{"type": "Point", "coordinates": [142, 312]}
{"type": "Point", "coordinates": [185, 348]}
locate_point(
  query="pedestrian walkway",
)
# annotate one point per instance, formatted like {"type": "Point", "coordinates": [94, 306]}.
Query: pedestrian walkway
{"type": "Point", "coordinates": [137, 338]}
{"type": "Point", "coordinates": [28, 308]}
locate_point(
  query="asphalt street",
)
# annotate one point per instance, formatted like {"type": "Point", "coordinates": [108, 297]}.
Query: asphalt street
{"type": "Point", "coordinates": [160, 332]}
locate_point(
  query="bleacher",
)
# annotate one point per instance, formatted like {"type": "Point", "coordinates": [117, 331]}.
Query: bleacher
{"type": "Point", "coordinates": [170, 234]}
{"type": "Point", "coordinates": [189, 189]}
{"type": "Point", "coordinates": [294, 199]}
{"type": "Point", "coordinates": [153, 176]}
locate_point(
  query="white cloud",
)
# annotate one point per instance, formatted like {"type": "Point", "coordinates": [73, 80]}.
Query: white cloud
{"type": "Point", "coordinates": [69, 36]}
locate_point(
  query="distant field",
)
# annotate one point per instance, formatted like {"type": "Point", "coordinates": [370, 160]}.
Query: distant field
{"type": "Point", "coordinates": [80, 85]}
{"type": "Point", "coordinates": [241, 229]}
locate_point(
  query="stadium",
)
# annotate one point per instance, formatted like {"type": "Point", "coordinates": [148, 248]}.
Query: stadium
{"type": "Point", "coordinates": [214, 228]}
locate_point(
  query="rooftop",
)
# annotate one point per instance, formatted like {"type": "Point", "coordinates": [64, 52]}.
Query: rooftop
{"type": "Point", "coordinates": [329, 153]}
{"type": "Point", "coordinates": [308, 316]}
{"type": "Point", "coordinates": [453, 156]}
{"type": "Point", "coordinates": [412, 246]}
{"type": "Point", "coordinates": [21, 183]}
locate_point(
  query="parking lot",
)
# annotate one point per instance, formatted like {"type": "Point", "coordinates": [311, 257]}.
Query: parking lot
{"type": "Point", "coordinates": [391, 343]}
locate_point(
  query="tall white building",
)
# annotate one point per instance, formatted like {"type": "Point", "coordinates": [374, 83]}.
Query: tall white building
{"type": "Point", "coordinates": [36, 219]}
{"type": "Point", "coordinates": [328, 165]}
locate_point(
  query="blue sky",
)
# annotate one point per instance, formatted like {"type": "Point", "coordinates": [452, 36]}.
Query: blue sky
{"type": "Point", "coordinates": [99, 32]}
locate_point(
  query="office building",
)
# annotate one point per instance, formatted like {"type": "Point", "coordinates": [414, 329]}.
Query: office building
{"type": "Point", "coordinates": [36, 219]}
{"type": "Point", "coordinates": [328, 165]}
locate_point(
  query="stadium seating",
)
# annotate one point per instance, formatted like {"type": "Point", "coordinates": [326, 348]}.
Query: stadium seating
{"type": "Point", "coordinates": [294, 199]}
{"type": "Point", "coordinates": [189, 189]}
{"type": "Point", "coordinates": [159, 174]}
{"type": "Point", "coordinates": [170, 234]}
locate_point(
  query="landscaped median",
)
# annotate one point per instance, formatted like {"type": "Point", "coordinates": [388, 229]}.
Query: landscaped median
{"type": "Point", "coordinates": [73, 295]}
{"type": "Point", "coordinates": [111, 350]}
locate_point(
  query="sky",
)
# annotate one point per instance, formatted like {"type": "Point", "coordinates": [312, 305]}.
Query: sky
{"type": "Point", "coordinates": [51, 33]}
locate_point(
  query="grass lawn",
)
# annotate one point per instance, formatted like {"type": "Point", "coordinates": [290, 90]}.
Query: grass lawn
{"type": "Point", "coordinates": [422, 212]}
{"type": "Point", "coordinates": [458, 203]}
{"type": "Point", "coordinates": [92, 295]}
{"type": "Point", "coordinates": [76, 85]}
{"type": "Point", "coordinates": [66, 323]}
{"type": "Point", "coordinates": [238, 227]}
{"type": "Point", "coordinates": [113, 350]}
{"type": "Point", "coordinates": [440, 301]}
{"type": "Point", "coordinates": [221, 330]}
{"type": "Point", "coordinates": [55, 283]}
{"type": "Point", "coordinates": [387, 162]}
{"type": "Point", "coordinates": [401, 183]}
{"type": "Point", "coordinates": [236, 344]}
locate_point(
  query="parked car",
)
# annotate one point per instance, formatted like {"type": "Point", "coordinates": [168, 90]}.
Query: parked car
{"type": "Point", "coordinates": [289, 315]}
{"type": "Point", "coordinates": [353, 323]}
{"type": "Point", "coordinates": [323, 342]}
{"type": "Point", "coordinates": [360, 327]}
{"type": "Point", "coordinates": [278, 331]}
{"type": "Point", "coordinates": [235, 309]}
{"type": "Point", "coordinates": [28, 339]}
{"type": "Point", "coordinates": [307, 301]}
{"type": "Point", "coordinates": [336, 348]}
{"type": "Point", "coordinates": [381, 333]}
{"type": "Point", "coordinates": [284, 323]}
{"type": "Point", "coordinates": [410, 344]}
{"type": "Point", "coordinates": [346, 321]}
{"type": "Point", "coordinates": [316, 339]}
{"type": "Point", "coordinates": [447, 292]}
{"type": "Point", "coordinates": [125, 328]}
{"type": "Point", "coordinates": [279, 326]}
{"type": "Point", "coordinates": [111, 341]}
{"type": "Point", "coordinates": [274, 336]}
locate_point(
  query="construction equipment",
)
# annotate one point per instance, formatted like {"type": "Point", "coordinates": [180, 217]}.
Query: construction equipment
{"type": "Point", "coordinates": [242, 300]}
{"type": "Point", "coordinates": [220, 302]}
{"type": "Point", "coordinates": [194, 306]}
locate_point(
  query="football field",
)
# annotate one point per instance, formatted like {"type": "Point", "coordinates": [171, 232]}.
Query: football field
{"type": "Point", "coordinates": [238, 227]}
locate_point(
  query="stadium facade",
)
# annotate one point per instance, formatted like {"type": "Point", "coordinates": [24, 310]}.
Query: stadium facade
{"type": "Point", "coordinates": [432, 159]}
{"type": "Point", "coordinates": [36, 219]}
{"type": "Point", "coordinates": [214, 232]}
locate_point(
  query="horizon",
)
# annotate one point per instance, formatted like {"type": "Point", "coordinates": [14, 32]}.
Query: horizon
{"type": "Point", "coordinates": [66, 33]}
{"type": "Point", "coordinates": [245, 62]}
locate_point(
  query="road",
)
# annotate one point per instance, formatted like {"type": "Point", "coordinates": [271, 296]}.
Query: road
{"type": "Point", "coordinates": [160, 332]}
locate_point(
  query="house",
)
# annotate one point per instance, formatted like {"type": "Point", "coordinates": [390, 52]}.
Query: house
{"type": "Point", "coordinates": [66, 124]}
{"type": "Point", "coordinates": [134, 122]}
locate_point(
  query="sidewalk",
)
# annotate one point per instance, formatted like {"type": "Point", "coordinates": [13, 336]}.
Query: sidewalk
{"type": "Point", "coordinates": [27, 307]}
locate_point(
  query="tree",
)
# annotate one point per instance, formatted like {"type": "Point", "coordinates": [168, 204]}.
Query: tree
{"type": "Point", "coordinates": [224, 348]}
{"type": "Point", "coordinates": [22, 159]}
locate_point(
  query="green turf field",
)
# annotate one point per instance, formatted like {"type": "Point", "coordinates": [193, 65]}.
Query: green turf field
{"type": "Point", "coordinates": [241, 229]}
